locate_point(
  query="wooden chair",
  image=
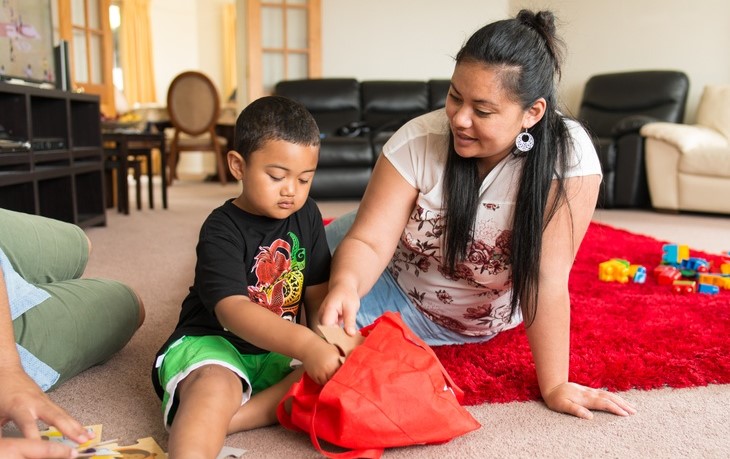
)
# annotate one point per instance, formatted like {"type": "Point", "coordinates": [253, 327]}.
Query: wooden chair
{"type": "Point", "coordinates": [193, 104]}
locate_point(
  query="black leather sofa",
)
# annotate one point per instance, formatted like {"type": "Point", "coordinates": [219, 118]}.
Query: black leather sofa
{"type": "Point", "coordinates": [614, 107]}
{"type": "Point", "coordinates": [356, 119]}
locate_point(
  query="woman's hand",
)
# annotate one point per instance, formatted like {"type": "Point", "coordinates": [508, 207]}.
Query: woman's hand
{"type": "Point", "coordinates": [24, 403]}
{"type": "Point", "coordinates": [340, 306]}
{"type": "Point", "coordinates": [578, 400]}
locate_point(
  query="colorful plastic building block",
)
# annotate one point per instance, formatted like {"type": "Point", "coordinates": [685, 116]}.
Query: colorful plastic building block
{"type": "Point", "coordinates": [673, 254]}
{"type": "Point", "coordinates": [666, 275]}
{"type": "Point", "coordinates": [684, 286]}
{"type": "Point", "coordinates": [614, 270]}
{"type": "Point", "coordinates": [637, 273]}
{"type": "Point", "coordinates": [696, 264]}
{"type": "Point", "coordinates": [708, 289]}
{"type": "Point", "coordinates": [715, 279]}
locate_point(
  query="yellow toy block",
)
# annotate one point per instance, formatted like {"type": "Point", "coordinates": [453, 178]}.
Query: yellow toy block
{"type": "Point", "coordinates": [613, 270]}
{"type": "Point", "coordinates": [683, 253]}
{"type": "Point", "coordinates": [714, 279]}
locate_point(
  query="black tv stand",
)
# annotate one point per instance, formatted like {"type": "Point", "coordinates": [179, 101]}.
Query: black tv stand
{"type": "Point", "coordinates": [61, 178]}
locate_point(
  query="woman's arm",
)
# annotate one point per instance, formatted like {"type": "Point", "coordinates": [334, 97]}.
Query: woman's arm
{"type": "Point", "coordinates": [369, 245]}
{"type": "Point", "coordinates": [549, 333]}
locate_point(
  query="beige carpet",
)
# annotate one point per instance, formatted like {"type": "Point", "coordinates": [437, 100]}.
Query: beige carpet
{"type": "Point", "coordinates": [153, 251]}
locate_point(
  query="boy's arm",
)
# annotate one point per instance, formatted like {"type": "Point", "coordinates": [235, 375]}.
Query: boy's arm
{"type": "Point", "coordinates": [266, 330]}
{"type": "Point", "coordinates": [313, 297]}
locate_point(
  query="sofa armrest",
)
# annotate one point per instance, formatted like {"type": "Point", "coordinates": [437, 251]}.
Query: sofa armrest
{"type": "Point", "coordinates": [685, 137]}
{"type": "Point", "coordinates": [631, 125]}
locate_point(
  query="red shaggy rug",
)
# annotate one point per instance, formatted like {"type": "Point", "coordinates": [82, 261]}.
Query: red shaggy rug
{"type": "Point", "coordinates": [623, 336]}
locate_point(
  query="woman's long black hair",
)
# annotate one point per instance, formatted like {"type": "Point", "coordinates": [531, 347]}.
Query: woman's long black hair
{"type": "Point", "coordinates": [526, 54]}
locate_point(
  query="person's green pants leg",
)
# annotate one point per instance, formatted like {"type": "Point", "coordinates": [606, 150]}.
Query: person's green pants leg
{"type": "Point", "coordinates": [85, 321]}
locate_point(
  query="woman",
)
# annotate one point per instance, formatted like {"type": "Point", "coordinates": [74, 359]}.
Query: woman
{"type": "Point", "coordinates": [477, 212]}
{"type": "Point", "coordinates": [54, 324]}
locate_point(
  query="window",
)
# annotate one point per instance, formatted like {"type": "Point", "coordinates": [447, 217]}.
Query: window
{"type": "Point", "coordinates": [284, 38]}
{"type": "Point", "coordinates": [115, 21]}
{"type": "Point", "coordinates": [84, 24]}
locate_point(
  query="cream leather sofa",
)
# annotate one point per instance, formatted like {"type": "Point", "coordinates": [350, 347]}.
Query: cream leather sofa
{"type": "Point", "coordinates": [688, 166]}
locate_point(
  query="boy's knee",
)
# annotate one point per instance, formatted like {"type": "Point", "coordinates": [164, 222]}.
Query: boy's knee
{"type": "Point", "coordinates": [212, 379]}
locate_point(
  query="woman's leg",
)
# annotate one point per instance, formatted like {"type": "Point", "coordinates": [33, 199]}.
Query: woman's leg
{"type": "Point", "coordinates": [386, 295]}
{"type": "Point", "coordinates": [82, 324]}
{"type": "Point", "coordinates": [43, 250]}
{"type": "Point", "coordinates": [337, 229]}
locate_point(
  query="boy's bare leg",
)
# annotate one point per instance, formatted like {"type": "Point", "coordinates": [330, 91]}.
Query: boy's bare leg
{"type": "Point", "coordinates": [209, 397]}
{"type": "Point", "coordinates": [260, 411]}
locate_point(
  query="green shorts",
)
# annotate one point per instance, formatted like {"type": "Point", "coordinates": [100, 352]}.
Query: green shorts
{"type": "Point", "coordinates": [257, 371]}
{"type": "Point", "coordinates": [85, 321]}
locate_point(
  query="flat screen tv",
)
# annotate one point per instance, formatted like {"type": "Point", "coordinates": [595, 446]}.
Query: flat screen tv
{"type": "Point", "coordinates": [26, 41]}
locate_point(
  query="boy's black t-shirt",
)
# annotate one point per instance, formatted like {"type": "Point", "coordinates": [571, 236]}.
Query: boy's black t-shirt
{"type": "Point", "coordinates": [269, 260]}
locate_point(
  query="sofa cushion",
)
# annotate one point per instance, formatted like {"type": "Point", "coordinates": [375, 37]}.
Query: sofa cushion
{"type": "Point", "coordinates": [345, 152]}
{"type": "Point", "coordinates": [608, 98]}
{"type": "Point", "coordinates": [685, 137]}
{"type": "Point", "coordinates": [437, 92]}
{"type": "Point", "coordinates": [711, 162]}
{"type": "Point", "coordinates": [713, 110]}
{"type": "Point", "coordinates": [340, 183]}
{"type": "Point", "coordinates": [333, 102]}
{"type": "Point", "coordinates": [389, 104]}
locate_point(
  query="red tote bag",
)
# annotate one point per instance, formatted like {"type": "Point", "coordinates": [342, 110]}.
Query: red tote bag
{"type": "Point", "coordinates": [391, 391]}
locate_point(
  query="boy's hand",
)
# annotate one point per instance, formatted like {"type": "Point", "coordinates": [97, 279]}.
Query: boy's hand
{"type": "Point", "coordinates": [321, 360]}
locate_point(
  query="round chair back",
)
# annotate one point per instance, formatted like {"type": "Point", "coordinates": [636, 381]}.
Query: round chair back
{"type": "Point", "coordinates": [193, 103]}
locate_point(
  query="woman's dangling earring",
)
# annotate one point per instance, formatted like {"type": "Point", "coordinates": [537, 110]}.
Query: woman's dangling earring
{"type": "Point", "coordinates": [524, 141]}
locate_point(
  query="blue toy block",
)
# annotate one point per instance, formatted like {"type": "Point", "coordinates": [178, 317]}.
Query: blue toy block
{"type": "Point", "coordinates": [669, 254]}
{"type": "Point", "coordinates": [640, 276]}
{"type": "Point", "coordinates": [695, 264]}
{"type": "Point", "coordinates": [708, 289]}
{"type": "Point", "coordinates": [673, 254]}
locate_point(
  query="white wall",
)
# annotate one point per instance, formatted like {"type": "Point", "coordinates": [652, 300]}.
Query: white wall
{"type": "Point", "coordinates": [406, 39]}
{"type": "Point", "coordinates": [399, 39]}
{"type": "Point", "coordinates": [395, 39]}
{"type": "Point", "coordinates": [186, 35]}
{"type": "Point", "coordinates": [605, 36]}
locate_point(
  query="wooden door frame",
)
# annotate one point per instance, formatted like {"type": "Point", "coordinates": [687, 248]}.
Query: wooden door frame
{"type": "Point", "coordinates": [255, 86]}
{"type": "Point", "coordinates": [105, 90]}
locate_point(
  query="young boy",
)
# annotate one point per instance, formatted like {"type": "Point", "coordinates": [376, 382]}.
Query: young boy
{"type": "Point", "coordinates": [261, 257]}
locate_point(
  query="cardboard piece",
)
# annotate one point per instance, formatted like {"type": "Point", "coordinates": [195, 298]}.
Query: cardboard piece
{"type": "Point", "coordinates": [345, 343]}
{"type": "Point", "coordinates": [145, 448]}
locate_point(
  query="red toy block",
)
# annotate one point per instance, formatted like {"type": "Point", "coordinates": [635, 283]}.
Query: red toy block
{"type": "Point", "coordinates": [684, 286]}
{"type": "Point", "coordinates": [666, 275]}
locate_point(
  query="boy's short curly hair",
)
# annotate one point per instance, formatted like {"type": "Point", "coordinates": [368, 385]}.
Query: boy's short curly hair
{"type": "Point", "coordinates": [274, 118]}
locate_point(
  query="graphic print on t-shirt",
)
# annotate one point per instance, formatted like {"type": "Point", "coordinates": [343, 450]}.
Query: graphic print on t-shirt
{"type": "Point", "coordinates": [279, 270]}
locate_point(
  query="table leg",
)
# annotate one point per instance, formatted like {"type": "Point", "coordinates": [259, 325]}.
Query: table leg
{"type": "Point", "coordinates": [123, 180]}
{"type": "Point", "coordinates": [163, 171]}
{"type": "Point", "coordinates": [150, 183]}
